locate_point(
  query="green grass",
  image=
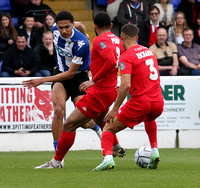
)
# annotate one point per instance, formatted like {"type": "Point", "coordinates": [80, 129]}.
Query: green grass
{"type": "Point", "coordinates": [178, 168]}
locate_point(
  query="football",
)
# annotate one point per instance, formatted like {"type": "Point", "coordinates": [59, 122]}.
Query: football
{"type": "Point", "coordinates": [142, 156]}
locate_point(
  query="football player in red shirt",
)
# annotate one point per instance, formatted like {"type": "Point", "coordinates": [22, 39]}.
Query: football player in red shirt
{"type": "Point", "coordinates": [101, 90]}
{"type": "Point", "coordinates": [140, 78]}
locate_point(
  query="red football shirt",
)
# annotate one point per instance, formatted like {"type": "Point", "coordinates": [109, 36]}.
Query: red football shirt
{"type": "Point", "coordinates": [105, 54]}
{"type": "Point", "coordinates": [142, 64]}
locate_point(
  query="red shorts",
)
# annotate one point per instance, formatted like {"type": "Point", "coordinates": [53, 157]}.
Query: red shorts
{"type": "Point", "coordinates": [135, 112]}
{"type": "Point", "coordinates": [96, 102]}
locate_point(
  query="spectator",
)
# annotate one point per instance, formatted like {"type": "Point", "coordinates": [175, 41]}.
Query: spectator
{"type": "Point", "coordinates": [166, 12]}
{"type": "Point", "coordinates": [34, 36]}
{"type": "Point", "coordinates": [190, 8]}
{"type": "Point", "coordinates": [132, 11]}
{"type": "Point", "coordinates": [19, 60]}
{"type": "Point", "coordinates": [151, 2]}
{"type": "Point", "coordinates": [197, 30]}
{"type": "Point", "coordinates": [17, 6]}
{"type": "Point", "coordinates": [148, 30]}
{"type": "Point", "coordinates": [175, 4]}
{"type": "Point", "coordinates": [8, 33]}
{"type": "Point", "coordinates": [112, 8]}
{"type": "Point", "coordinates": [175, 31]}
{"type": "Point", "coordinates": [45, 54]}
{"type": "Point", "coordinates": [166, 54]}
{"type": "Point", "coordinates": [39, 10]}
{"type": "Point", "coordinates": [189, 54]}
{"type": "Point", "coordinates": [49, 20]}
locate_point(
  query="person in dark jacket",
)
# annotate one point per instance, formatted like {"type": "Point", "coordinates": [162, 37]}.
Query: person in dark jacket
{"type": "Point", "coordinates": [148, 29]}
{"type": "Point", "coordinates": [8, 33]}
{"type": "Point", "coordinates": [45, 54]}
{"type": "Point", "coordinates": [132, 11]}
{"type": "Point", "coordinates": [19, 60]}
{"type": "Point", "coordinates": [190, 8]}
{"type": "Point", "coordinates": [197, 31]}
{"type": "Point", "coordinates": [39, 10]}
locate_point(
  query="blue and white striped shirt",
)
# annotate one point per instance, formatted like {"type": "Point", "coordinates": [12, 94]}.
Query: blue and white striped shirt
{"type": "Point", "coordinates": [74, 49]}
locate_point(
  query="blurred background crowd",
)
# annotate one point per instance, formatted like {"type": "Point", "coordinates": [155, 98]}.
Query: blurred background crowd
{"type": "Point", "coordinates": [170, 28]}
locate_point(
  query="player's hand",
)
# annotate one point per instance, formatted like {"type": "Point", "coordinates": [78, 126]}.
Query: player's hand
{"type": "Point", "coordinates": [83, 87]}
{"type": "Point", "coordinates": [110, 116]}
{"type": "Point", "coordinates": [32, 83]}
{"type": "Point", "coordinates": [88, 37]}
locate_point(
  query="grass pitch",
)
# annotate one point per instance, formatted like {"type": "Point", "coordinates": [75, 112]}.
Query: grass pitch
{"type": "Point", "coordinates": [178, 168]}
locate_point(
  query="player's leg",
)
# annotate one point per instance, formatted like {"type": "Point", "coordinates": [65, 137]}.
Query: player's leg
{"type": "Point", "coordinates": [75, 120]}
{"type": "Point", "coordinates": [117, 149]}
{"type": "Point", "coordinates": [59, 97]}
{"type": "Point", "coordinates": [107, 142]}
{"type": "Point", "coordinates": [66, 140]}
{"type": "Point", "coordinates": [151, 130]}
{"type": "Point", "coordinates": [91, 124]}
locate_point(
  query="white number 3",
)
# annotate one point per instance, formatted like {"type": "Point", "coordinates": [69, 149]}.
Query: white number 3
{"type": "Point", "coordinates": [153, 72]}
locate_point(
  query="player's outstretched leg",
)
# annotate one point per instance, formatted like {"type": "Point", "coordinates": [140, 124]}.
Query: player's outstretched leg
{"type": "Point", "coordinates": [155, 158]}
{"type": "Point", "coordinates": [65, 142]}
{"type": "Point", "coordinates": [50, 165]}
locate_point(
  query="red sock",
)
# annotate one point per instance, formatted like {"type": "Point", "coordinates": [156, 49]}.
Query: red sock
{"type": "Point", "coordinates": [116, 141]}
{"type": "Point", "coordinates": [64, 144]}
{"type": "Point", "coordinates": [107, 143]}
{"type": "Point", "coordinates": [151, 130]}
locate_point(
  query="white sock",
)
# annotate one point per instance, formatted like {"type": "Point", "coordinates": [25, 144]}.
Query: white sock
{"type": "Point", "coordinates": [108, 158]}
{"type": "Point", "coordinates": [99, 133]}
{"type": "Point", "coordinates": [55, 163]}
{"type": "Point", "coordinates": [153, 150]}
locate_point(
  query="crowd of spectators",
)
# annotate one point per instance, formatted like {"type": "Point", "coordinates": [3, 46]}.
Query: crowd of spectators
{"type": "Point", "coordinates": [161, 24]}
{"type": "Point", "coordinates": [27, 50]}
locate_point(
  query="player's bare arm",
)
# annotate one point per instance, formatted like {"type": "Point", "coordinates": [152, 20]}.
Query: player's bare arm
{"type": "Point", "coordinates": [82, 29]}
{"type": "Point", "coordinates": [85, 85]}
{"type": "Point", "coordinates": [56, 78]}
{"type": "Point", "coordinates": [123, 92]}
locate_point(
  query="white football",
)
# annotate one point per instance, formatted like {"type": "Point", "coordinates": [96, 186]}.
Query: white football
{"type": "Point", "coordinates": [142, 156]}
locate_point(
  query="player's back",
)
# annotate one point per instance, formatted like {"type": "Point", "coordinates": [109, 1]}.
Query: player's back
{"type": "Point", "coordinates": [105, 46]}
{"type": "Point", "coordinates": [145, 80]}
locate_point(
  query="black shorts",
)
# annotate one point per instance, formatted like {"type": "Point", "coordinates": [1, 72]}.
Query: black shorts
{"type": "Point", "coordinates": [72, 86]}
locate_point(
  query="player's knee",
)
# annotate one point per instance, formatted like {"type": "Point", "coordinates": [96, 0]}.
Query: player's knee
{"type": "Point", "coordinates": [69, 126]}
{"type": "Point", "coordinates": [108, 128]}
{"type": "Point", "coordinates": [59, 112]}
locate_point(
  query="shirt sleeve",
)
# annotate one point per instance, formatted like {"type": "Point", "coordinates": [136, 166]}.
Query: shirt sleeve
{"type": "Point", "coordinates": [174, 49]}
{"type": "Point", "coordinates": [103, 47]}
{"type": "Point", "coordinates": [180, 51]}
{"type": "Point", "coordinates": [125, 66]}
{"type": "Point", "coordinates": [81, 49]}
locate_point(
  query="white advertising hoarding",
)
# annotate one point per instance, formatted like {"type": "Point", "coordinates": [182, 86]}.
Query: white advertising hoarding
{"type": "Point", "coordinates": [23, 109]}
